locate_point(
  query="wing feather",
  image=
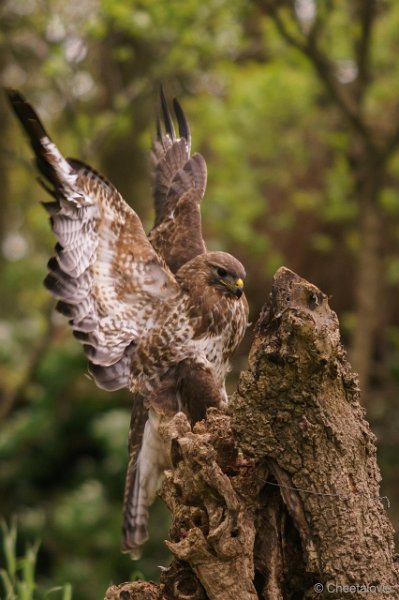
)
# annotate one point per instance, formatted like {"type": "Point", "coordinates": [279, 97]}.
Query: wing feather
{"type": "Point", "coordinates": [108, 278]}
{"type": "Point", "coordinates": [178, 179]}
{"type": "Point", "coordinates": [184, 128]}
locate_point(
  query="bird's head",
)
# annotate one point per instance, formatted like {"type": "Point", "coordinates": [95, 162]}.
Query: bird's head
{"type": "Point", "coordinates": [225, 273]}
{"type": "Point", "coordinates": [217, 270]}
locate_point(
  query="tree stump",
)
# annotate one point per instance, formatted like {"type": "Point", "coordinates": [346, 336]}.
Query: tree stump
{"type": "Point", "coordinates": [280, 499]}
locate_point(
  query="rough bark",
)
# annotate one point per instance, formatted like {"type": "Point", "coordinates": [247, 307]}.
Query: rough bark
{"type": "Point", "coordinates": [283, 493]}
{"type": "Point", "coordinates": [297, 407]}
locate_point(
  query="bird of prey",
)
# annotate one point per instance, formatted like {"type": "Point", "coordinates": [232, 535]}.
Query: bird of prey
{"type": "Point", "coordinates": [157, 314]}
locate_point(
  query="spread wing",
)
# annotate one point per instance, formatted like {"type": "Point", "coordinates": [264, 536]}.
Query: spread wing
{"type": "Point", "coordinates": [106, 275]}
{"type": "Point", "coordinates": [179, 182]}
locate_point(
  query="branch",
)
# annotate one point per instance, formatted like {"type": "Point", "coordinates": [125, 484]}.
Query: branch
{"type": "Point", "coordinates": [11, 398]}
{"type": "Point", "coordinates": [366, 11]}
{"type": "Point", "coordinates": [392, 142]}
{"type": "Point", "coordinates": [309, 46]}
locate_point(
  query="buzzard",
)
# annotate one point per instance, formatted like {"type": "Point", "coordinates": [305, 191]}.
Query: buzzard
{"type": "Point", "coordinates": [157, 314]}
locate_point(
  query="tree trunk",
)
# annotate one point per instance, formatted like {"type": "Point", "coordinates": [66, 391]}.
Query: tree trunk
{"type": "Point", "coordinates": [368, 292]}
{"type": "Point", "coordinates": [280, 499]}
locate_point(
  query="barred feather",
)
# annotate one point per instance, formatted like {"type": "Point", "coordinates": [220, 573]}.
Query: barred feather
{"type": "Point", "coordinates": [153, 313]}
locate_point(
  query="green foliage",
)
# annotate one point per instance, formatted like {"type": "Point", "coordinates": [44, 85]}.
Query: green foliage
{"type": "Point", "coordinates": [17, 576]}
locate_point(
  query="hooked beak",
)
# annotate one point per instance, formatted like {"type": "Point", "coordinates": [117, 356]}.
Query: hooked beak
{"type": "Point", "coordinates": [238, 287]}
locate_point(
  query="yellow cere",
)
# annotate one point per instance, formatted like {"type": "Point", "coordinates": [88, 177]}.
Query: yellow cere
{"type": "Point", "coordinates": [239, 283]}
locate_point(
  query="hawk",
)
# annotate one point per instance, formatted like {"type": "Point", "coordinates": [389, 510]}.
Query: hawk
{"type": "Point", "coordinates": [157, 314]}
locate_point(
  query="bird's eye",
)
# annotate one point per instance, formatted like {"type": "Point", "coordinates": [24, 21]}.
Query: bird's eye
{"type": "Point", "coordinates": [221, 272]}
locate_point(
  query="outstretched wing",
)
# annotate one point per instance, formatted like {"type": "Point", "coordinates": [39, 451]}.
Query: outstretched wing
{"type": "Point", "coordinates": [179, 182]}
{"type": "Point", "coordinates": [108, 278]}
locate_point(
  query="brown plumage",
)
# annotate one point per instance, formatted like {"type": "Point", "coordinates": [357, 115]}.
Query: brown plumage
{"type": "Point", "coordinates": [158, 314]}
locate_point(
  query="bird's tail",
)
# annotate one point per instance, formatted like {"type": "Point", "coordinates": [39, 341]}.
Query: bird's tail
{"type": "Point", "coordinates": [135, 512]}
{"type": "Point", "coordinates": [145, 469]}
